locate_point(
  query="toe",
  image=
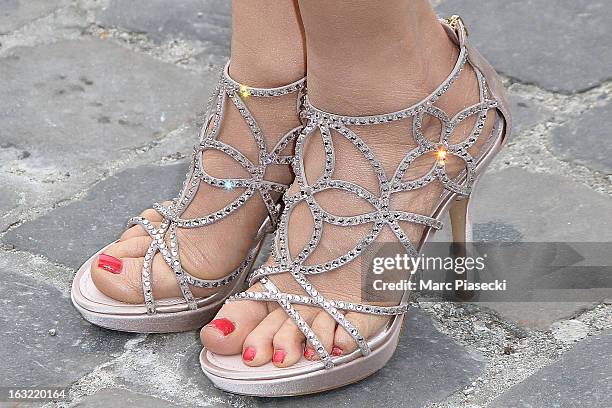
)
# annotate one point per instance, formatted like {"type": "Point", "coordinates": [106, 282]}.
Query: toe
{"type": "Point", "coordinates": [323, 326]}
{"type": "Point", "coordinates": [119, 284]}
{"type": "Point", "coordinates": [150, 214]}
{"type": "Point", "coordinates": [124, 283]}
{"type": "Point", "coordinates": [137, 231]}
{"type": "Point", "coordinates": [226, 333]}
{"type": "Point", "coordinates": [288, 341]}
{"type": "Point", "coordinates": [367, 325]}
{"type": "Point", "coordinates": [135, 247]}
{"type": "Point", "coordinates": [257, 349]}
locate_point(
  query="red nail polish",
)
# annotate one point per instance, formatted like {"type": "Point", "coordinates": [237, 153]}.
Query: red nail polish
{"type": "Point", "coordinates": [224, 325]}
{"type": "Point", "coordinates": [336, 351]}
{"type": "Point", "coordinates": [248, 354]}
{"type": "Point", "coordinates": [278, 357]}
{"type": "Point", "coordinates": [309, 352]}
{"type": "Point", "coordinates": [110, 263]}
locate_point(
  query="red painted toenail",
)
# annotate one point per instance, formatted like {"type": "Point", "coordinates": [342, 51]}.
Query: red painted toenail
{"type": "Point", "coordinates": [110, 263]}
{"type": "Point", "coordinates": [224, 325]}
{"type": "Point", "coordinates": [278, 357]}
{"type": "Point", "coordinates": [336, 351]}
{"type": "Point", "coordinates": [248, 354]}
{"type": "Point", "coordinates": [309, 352]}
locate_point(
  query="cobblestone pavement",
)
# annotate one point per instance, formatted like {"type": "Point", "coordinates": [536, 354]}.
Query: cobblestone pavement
{"type": "Point", "coordinates": [99, 102]}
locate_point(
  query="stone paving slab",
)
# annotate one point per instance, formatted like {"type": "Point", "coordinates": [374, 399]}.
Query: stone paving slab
{"type": "Point", "coordinates": [552, 209]}
{"type": "Point", "coordinates": [558, 45]}
{"type": "Point", "coordinates": [166, 366]}
{"type": "Point", "coordinates": [586, 139]}
{"type": "Point", "coordinates": [31, 355]}
{"type": "Point", "coordinates": [8, 199]}
{"type": "Point", "coordinates": [579, 378]}
{"type": "Point", "coordinates": [28, 197]}
{"type": "Point", "coordinates": [122, 398]}
{"type": "Point", "coordinates": [208, 21]}
{"type": "Point", "coordinates": [93, 104]}
{"type": "Point", "coordinates": [16, 13]}
{"type": "Point", "coordinates": [70, 234]}
{"type": "Point", "coordinates": [526, 113]}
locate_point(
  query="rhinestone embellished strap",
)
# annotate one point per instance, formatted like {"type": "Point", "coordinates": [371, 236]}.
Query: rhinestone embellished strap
{"type": "Point", "coordinates": [165, 239]}
{"type": "Point", "coordinates": [381, 215]}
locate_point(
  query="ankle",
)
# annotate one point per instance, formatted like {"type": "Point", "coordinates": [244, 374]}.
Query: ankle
{"type": "Point", "coordinates": [267, 71]}
{"type": "Point", "coordinates": [382, 78]}
{"type": "Point", "coordinates": [267, 43]}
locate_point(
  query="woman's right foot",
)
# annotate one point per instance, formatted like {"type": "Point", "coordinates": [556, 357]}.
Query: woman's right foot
{"type": "Point", "coordinates": [212, 251]}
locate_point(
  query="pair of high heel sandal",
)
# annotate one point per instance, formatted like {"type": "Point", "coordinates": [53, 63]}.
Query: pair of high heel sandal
{"type": "Point", "coordinates": [187, 313]}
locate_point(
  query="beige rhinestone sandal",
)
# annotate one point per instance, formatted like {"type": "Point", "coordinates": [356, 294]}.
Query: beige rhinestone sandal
{"type": "Point", "coordinates": [188, 313]}
{"type": "Point", "coordinates": [229, 372]}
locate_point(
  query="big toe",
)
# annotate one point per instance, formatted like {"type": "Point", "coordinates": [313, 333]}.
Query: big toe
{"type": "Point", "coordinates": [117, 273]}
{"type": "Point", "coordinates": [114, 277]}
{"type": "Point", "coordinates": [226, 333]}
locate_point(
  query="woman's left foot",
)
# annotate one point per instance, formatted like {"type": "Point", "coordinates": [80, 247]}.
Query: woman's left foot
{"type": "Point", "coordinates": [267, 333]}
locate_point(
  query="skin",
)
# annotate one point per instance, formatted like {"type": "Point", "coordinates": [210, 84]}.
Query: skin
{"type": "Point", "coordinates": [267, 51]}
{"type": "Point", "coordinates": [360, 60]}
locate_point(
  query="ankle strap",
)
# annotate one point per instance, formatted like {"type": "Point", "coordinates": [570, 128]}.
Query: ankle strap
{"type": "Point", "coordinates": [245, 90]}
{"type": "Point", "coordinates": [456, 25]}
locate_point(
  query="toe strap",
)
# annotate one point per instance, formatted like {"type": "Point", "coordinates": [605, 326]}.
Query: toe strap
{"type": "Point", "coordinates": [300, 323]}
{"type": "Point", "coordinates": [170, 256]}
{"type": "Point", "coordinates": [316, 299]}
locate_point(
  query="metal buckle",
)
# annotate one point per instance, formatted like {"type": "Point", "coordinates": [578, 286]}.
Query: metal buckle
{"type": "Point", "coordinates": [456, 23]}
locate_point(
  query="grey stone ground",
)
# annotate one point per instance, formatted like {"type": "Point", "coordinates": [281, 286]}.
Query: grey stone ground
{"type": "Point", "coordinates": [98, 104]}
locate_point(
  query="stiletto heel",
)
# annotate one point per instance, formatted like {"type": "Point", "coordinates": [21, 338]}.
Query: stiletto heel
{"type": "Point", "coordinates": [461, 245]}
{"type": "Point", "coordinates": [331, 371]}
{"type": "Point", "coordinates": [460, 220]}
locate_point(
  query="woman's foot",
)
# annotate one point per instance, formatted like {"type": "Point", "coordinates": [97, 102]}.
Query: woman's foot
{"type": "Point", "coordinates": [386, 82]}
{"type": "Point", "coordinates": [215, 250]}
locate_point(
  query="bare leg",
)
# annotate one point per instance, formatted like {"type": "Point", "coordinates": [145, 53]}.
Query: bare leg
{"type": "Point", "coordinates": [380, 57]}
{"type": "Point", "coordinates": [267, 51]}
{"type": "Point", "coordinates": [267, 42]}
{"type": "Point", "coordinates": [363, 58]}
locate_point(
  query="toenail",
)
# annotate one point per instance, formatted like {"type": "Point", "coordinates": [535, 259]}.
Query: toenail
{"type": "Point", "coordinates": [248, 354]}
{"type": "Point", "coordinates": [224, 325]}
{"type": "Point", "coordinates": [110, 263]}
{"type": "Point", "coordinates": [278, 357]}
{"type": "Point", "coordinates": [336, 351]}
{"type": "Point", "coordinates": [309, 352]}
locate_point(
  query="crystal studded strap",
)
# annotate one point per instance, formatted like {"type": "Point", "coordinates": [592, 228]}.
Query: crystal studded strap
{"type": "Point", "coordinates": [322, 124]}
{"type": "Point", "coordinates": [228, 93]}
